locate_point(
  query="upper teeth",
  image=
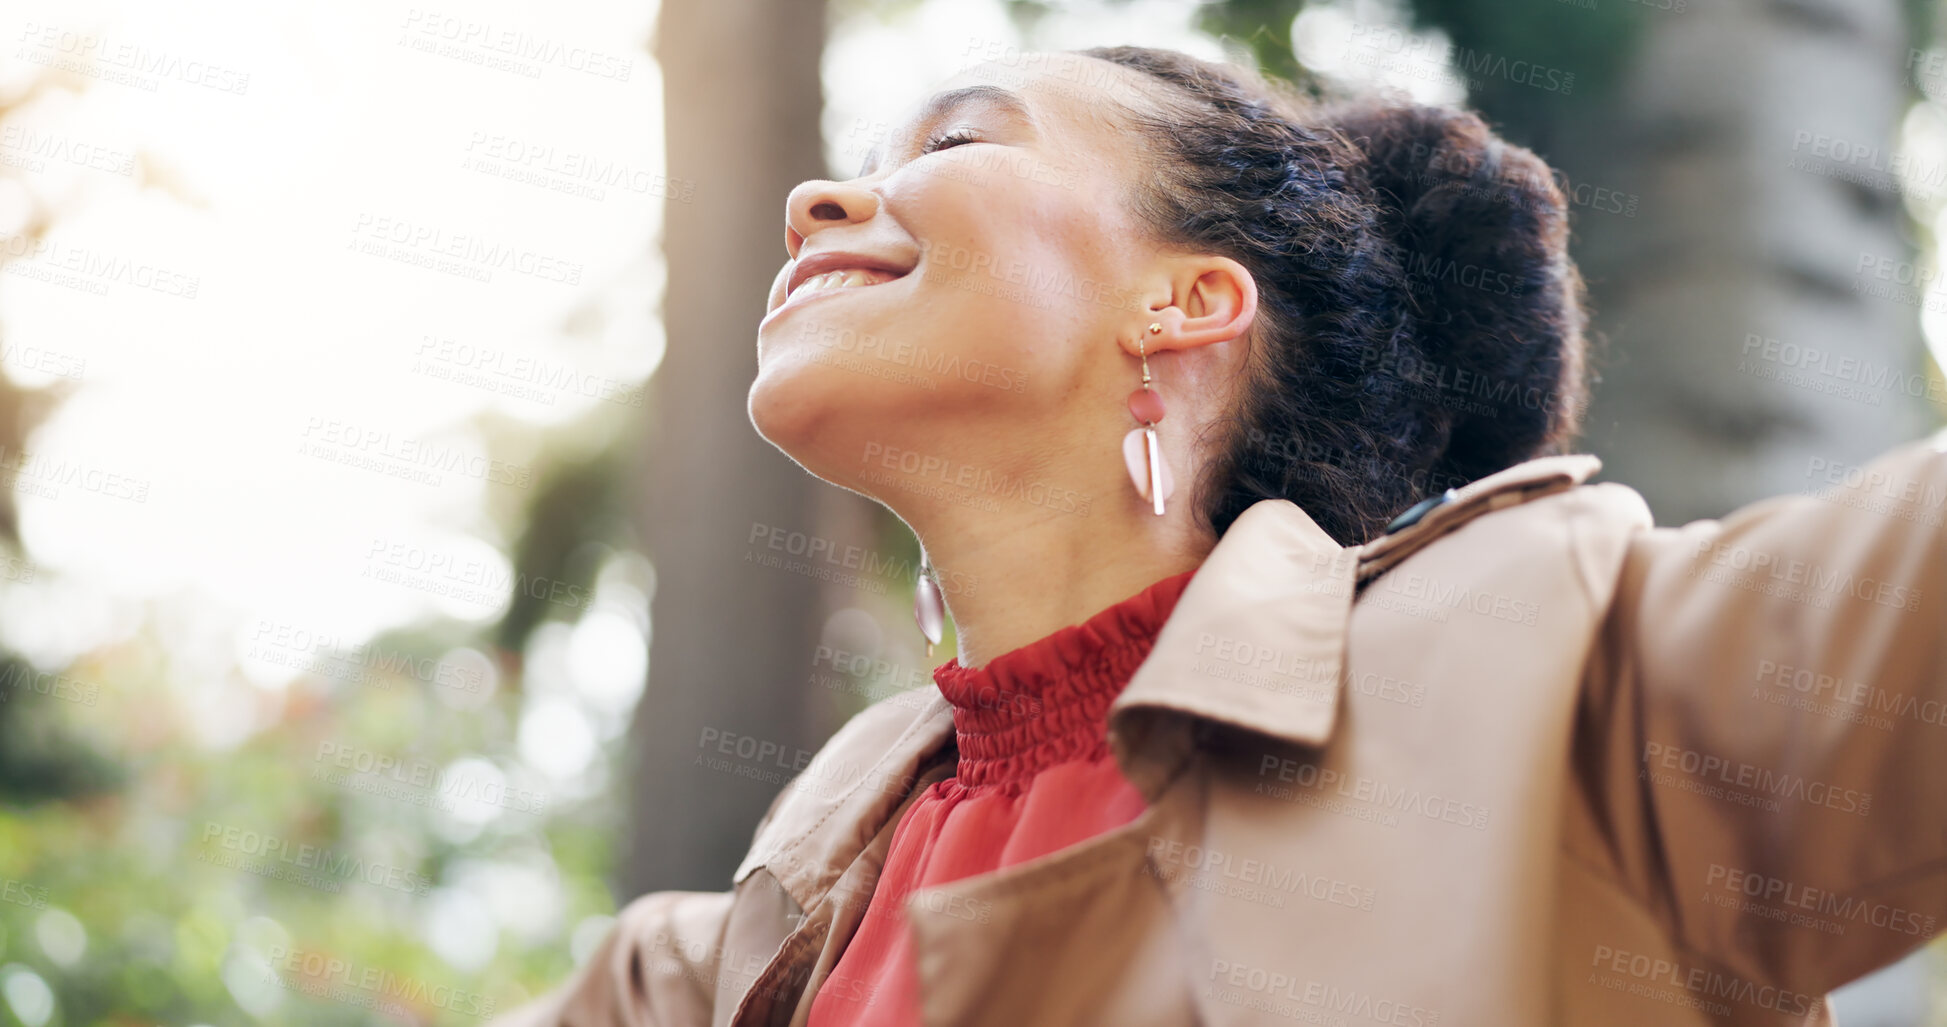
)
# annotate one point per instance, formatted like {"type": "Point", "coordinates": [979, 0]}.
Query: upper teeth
{"type": "Point", "coordinates": [843, 278]}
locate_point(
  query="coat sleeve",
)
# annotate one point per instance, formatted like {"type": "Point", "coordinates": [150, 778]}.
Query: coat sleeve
{"type": "Point", "coordinates": [656, 968]}
{"type": "Point", "coordinates": [1761, 744]}
{"type": "Point", "coordinates": [659, 966]}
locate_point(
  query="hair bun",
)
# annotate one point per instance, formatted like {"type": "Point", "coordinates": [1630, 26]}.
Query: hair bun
{"type": "Point", "coordinates": [1482, 235]}
{"type": "Point", "coordinates": [1419, 323]}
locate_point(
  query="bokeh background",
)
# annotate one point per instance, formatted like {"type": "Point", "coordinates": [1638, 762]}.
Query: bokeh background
{"type": "Point", "coordinates": [392, 583]}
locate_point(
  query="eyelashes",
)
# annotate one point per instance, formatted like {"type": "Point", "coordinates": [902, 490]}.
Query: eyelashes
{"type": "Point", "coordinates": [948, 140]}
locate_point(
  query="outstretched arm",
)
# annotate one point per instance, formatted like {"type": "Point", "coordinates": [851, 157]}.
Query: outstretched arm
{"type": "Point", "coordinates": [1763, 736]}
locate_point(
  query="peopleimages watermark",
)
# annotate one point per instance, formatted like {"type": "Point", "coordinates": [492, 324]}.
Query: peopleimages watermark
{"type": "Point", "coordinates": [471, 580]}
{"type": "Point", "coordinates": [1468, 391]}
{"type": "Point", "coordinates": [46, 361]}
{"type": "Point", "coordinates": [571, 172]}
{"type": "Point", "coordinates": [324, 975]}
{"type": "Point", "coordinates": [1866, 164]}
{"type": "Point", "coordinates": [1311, 458]}
{"type": "Point", "coordinates": [973, 480]}
{"type": "Point", "coordinates": [1787, 577]}
{"type": "Point", "coordinates": [1820, 909]}
{"type": "Point", "coordinates": [456, 253]}
{"type": "Point", "coordinates": [1439, 59]}
{"type": "Point", "coordinates": [774, 763]}
{"type": "Point", "coordinates": [909, 354]}
{"type": "Point", "coordinates": [20, 893]}
{"type": "Point", "coordinates": [314, 866]}
{"type": "Point", "coordinates": [516, 375]}
{"type": "Point", "coordinates": [315, 652]}
{"type": "Point", "coordinates": [1296, 997]}
{"type": "Point", "coordinates": [417, 781]}
{"type": "Point", "coordinates": [1875, 491]}
{"type": "Point", "coordinates": [824, 557]}
{"type": "Point", "coordinates": [1514, 185]}
{"type": "Point", "coordinates": [1746, 784]}
{"type": "Point", "coordinates": [1014, 278]}
{"type": "Point", "coordinates": [1697, 986]}
{"type": "Point", "coordinates": [1827, 371]}
{"type": "Point", "coordinates": [89, 270]}
{"type": "Point", "coordinates": [1249, 878]}
{"type": "Point", "coordinates": [752, 751]}
{"type": "Point", "coordinates": [1372, 791]}
{"type": "Point", "coordinates": [31, 149]}
{"type": "Point", "coordinates": [1926, 67]}
{"type": "Point", "coordinates": [1902, 281]}
{"type": "Point", "coordinates": [1056, 72]}
{"type": "Point", "coordinates": [505, 49]}
{"type": "Point", "coordinates": [42, 475]}
{"type": "Point", "coordinates": [20, 676]}
{"type": "Point", "coordinates": [1829, 695]}
{"type": "Point", "coordinates": [1273, 669]}
{"type": "Point", "coordinates": [973, 166]}
{"type": "Point", "coordinates": [838, 668]}
{"type": "Point", "coordinates": [1437, 596]}
{"type": "Point", "coordinates": [416, 460]}
{"type": "Point", "coordinates": [111, 59]}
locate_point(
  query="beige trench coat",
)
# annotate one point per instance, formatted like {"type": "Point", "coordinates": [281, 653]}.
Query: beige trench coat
{"type": "Point", "coordinates": [1526, 761]}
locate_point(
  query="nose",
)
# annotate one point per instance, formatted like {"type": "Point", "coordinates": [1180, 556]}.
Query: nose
{"type": "Point", "coordinates": [817, 205]}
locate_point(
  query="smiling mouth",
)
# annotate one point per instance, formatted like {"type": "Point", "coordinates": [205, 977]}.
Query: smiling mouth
{"type": "Point", "coordinates": [843, 278]}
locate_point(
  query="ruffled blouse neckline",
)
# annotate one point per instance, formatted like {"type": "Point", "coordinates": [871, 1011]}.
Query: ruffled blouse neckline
{"type": "Point", "coordinates": [1047, 702]}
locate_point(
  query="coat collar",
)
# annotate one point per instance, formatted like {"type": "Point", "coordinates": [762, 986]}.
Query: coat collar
{"type": "Point", "coordinates": [1256, 641]}
{"type": "Point", "coordinates": [1504, 488]}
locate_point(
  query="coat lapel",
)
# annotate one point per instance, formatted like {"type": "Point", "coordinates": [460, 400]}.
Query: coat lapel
{"type": "Point", "coordinates": [835, 807]}
{"type": "Point", "coordinates": [1256, 641]}
{"type": "Point", "coordinates": [1059, 939]}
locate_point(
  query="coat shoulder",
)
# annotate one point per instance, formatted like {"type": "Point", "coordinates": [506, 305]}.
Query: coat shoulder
{"type": "Point", "coordinates": [1601, 515]}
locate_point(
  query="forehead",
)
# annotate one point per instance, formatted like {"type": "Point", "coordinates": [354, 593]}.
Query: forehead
{"type": "Point", "coordinates": [1063, 88]}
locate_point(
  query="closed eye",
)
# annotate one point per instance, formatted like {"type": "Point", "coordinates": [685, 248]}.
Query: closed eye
{"type": "Point", "coordinates": [948, 140]}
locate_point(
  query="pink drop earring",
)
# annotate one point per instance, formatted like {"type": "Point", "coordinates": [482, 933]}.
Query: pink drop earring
{"type": "Point", "coordinates": [1140, 450]}
{"type": "Point", "coordinates": [929, 608]}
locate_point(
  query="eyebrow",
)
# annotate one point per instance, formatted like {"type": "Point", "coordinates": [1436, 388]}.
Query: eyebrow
{"type": "Point", "coordinates": [942, 104]}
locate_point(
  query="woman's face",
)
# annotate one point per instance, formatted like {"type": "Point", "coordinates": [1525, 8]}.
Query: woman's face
{"type": "Point", "coordinates": [958, 312]}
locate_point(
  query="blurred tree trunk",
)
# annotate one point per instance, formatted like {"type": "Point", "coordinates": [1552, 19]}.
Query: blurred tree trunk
{"type": "Point", "coordinates": [742, 101]}
{"type": "Point", "coordinates": [1742, 256]}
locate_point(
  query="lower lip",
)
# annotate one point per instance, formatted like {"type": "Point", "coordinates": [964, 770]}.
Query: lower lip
{"type": "Point", "coordinates": [798, 298]}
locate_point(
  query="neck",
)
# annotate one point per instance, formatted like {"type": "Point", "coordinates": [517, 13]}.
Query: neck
{"type": "Point", "coordinates": [1013, 577]}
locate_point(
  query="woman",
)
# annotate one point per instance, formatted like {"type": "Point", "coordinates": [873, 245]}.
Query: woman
{"type": "Point", "coordinates": [1300, 675]}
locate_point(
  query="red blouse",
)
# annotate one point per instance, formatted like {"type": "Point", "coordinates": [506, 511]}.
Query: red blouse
{"type": "Point", "coordinates": [1035, 775]}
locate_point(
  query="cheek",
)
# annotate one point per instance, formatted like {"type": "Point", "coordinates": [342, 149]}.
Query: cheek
{"type": "Point", "coordinates": [1018, 263]}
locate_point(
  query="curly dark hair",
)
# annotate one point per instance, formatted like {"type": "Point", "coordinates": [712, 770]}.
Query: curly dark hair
{"type": "Point", "coordinates": [1420, 324]}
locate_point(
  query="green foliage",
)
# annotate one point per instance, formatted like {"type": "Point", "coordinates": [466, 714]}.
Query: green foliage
{"type": "Point", "coordinates": [575, 505]}
{"type": "Point", "coordinates": [184, 901]}
{"type": "Point", "coordinates": [1592, 43]}
{"type": "Point", "coordinates": [40, 760]}
{"type": "Point", "coordinates": [1262, 26]}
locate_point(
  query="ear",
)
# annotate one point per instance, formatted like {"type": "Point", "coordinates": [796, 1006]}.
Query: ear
{"type": "Point", "coordinates": [1212, 299]}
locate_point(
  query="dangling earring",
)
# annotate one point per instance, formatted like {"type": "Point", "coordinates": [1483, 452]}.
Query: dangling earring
{"type": "Point", "coordinates": [929, 609]}
{"type": "Point", "coordinates": [1140, 451]}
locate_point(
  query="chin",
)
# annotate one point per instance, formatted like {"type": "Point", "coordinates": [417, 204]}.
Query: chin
{"type": "Point", "coordinates": [795, 408]}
